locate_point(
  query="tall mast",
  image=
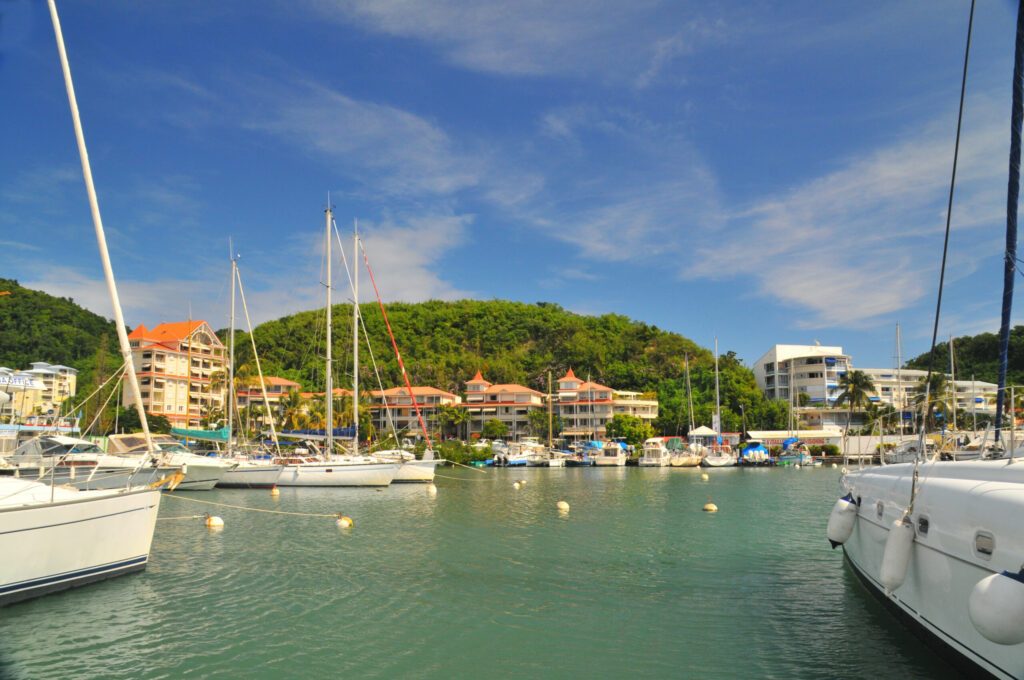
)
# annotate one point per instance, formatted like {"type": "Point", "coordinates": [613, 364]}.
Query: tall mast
{"type": "Point", "coordinates": [718, 403]}
{"type": "Point", "coordinates": [689, 392]}
{"type": "Point", "coordinates": [329, 382]}
{"type": "Point", "coordinates": [101, 239]}
{"type": "Point", "coordinates": [355, 337]}
{"type": "Point", "coordinates": [551, 415]}
{"type": "Point", "coordinates": [899, 377]}
{"type": "Point", "coordinates": [952, 382]}
{"type": "Point", "coordinates": [231, 350]}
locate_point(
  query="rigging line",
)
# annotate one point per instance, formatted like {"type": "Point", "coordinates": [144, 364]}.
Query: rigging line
{"type": "Point", "coordinates": [113, 375]}
{"type": "Point", "coordinates": [99, 411]}
{"type": "Point", "coordinates": [394, 344]}
{"type": "Point", "coordinates": [373, 360]}
{"type": "Point", "coordinates": [256, 357]}
{"type": "Point", "coordinates": [244, 507]}
{"type": "Point", "coordinates": [461, 479]}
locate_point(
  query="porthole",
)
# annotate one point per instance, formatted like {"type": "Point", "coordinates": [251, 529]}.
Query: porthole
{"type": "Point", "coordinates": [922, 526]}
{"type": "Point", "coordinates": [880, 509]}
{"type": "Point", "coordinates": [984, 544]}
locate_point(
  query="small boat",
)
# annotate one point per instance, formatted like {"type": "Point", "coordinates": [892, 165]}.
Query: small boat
{"type": "Point", "coordinates": [795, 452]}
{"type": "Point", "coordinates": [612, 454]}
{"type": "Point", "coordinates": [410, 468]}
{"type": "Point", "coordinates": [722, 456]}
{"type": "Point", "coordinates": [690, 455]}
{"type": "Point", "coordinates": [655, 453]}
{"type": "Point", "coordinates": [754, 454]}
{"type": "Point", "coordinates": [201, 472]}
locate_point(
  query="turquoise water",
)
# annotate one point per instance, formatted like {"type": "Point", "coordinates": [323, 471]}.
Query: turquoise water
{"type": "Point", "coordinates": [484, 580]}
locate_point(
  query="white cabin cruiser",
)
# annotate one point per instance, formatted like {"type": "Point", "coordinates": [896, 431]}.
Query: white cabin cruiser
{"type": "Point", "coordinates": [201, 472]}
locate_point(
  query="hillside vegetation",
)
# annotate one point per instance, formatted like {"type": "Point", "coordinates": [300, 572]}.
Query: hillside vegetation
{"type": "Point", "coordinates": [444, 343]}
{"type": "Point", "coordinates": [978, 355]}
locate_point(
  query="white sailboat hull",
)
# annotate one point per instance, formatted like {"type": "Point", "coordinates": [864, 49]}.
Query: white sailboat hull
{"type": "Point", "coordinates": [83, 536]}
{"type": "Point", "coordinates": [714, 460]}
{"type": "Point", "coordinates": [416, 471]}
{"type": "Point", "coordinates": [957, 501]}
{"type": "Point", "coordinates": [338, 474]}
{"type": "Point", "coordinates": [249, 475]}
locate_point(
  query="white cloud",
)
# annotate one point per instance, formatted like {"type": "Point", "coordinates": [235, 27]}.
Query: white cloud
{"type": "Point", "coordinates": [847, 247]}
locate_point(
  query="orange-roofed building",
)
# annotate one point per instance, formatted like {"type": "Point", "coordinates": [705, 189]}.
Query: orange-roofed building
{"type": "Point", "coordinates": [586, 407]}
{"type": "Point", "coordinates": [181, 371]}
{"type": "Point", "coordinates": [277, 389]}
{"type": "Point", "coordinates": [403, 414]}
{"type": "Point", "coordinates": [509, 403]}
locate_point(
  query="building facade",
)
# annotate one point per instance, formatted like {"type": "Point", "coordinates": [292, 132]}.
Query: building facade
{"type": "Point", "coordinates": [509, 403]}
{"type": "Point", "coordinates": [787, 371]}
{"type": "Point", "coordinates": [277, 389]}
{"type": "Point", "coordinates": [901, 390]}
{"type": "Point", "coordinates": [37, 391]}
{"type": "Point", "coordinates": [181, 369]}
{"type": "Point", "coordinates": [585, 407]}
{"type": "Point", "coordinates": [396, 404]}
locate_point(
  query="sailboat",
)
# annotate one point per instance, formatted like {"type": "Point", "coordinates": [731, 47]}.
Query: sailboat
{"type": "Point", "coordinates": [940, 543]}
{"type": "Point", "coordinates": [691, 455]}
{"type": "Point", "coordinates": [720, 455]}
{"type": "Point", "coordinates": [250, 472]}
{"type": "Point", "coordinates": [332, 469]}
{"type": "Point", "coordinates": [54, 538]}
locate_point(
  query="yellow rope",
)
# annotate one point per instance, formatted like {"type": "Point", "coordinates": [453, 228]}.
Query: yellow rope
{"type": "Point", "coordinates": [243, 507]}
{"type": "Point", "coordinates": [182, 517]}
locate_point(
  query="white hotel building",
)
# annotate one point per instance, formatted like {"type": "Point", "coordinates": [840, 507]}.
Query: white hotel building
{"type": "Point", "coordinates": [786, 371]}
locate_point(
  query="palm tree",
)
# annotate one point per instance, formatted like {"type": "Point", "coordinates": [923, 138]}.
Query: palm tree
{"type": "Point", "coordinates": [857, 386]}
{"type": "Point", "coordinates": [294, 410]}
{"type": "Point", "coordinates": [937, 390]}
{"type": "Point", "coordinates": [451, 416]}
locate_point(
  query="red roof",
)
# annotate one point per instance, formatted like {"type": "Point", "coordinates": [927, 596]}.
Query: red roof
{"type": "Point", "coordinates": [274, 380]}
{"type": "Point", "coordinates": [587, 386]}
{"type": "Point", "coordinates": [337, 391]}
{"type": "Point", "coordinates": [569, 376]}
{"type": "Point", "coordinates": [416, 390]}
{"type": "Point", "coordinates": [477, 379]}
{"type": "Point", "coordinates": [165, 332]}
{"type": "Point", "coordinates": [511, 388]}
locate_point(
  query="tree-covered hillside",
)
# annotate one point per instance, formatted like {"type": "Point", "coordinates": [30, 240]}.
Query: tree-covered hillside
{"type": "Point", "coordinates": [978, 355]}
{"type": "Point", "coordinates": [444, 343]}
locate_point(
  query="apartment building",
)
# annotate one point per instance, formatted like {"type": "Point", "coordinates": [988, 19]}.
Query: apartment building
{"type": "Point", "coordinates": [39, 390]}
{"type": "Point", "coordinates": [277, 389]}
{"type": "Point", "coordinates": [399, 408]}
{"type": "Point", "coordinates": [787, 371]}
{"type": "Point", "coordinates": [585, 407]}
{"type": "Point", "coordinates": [901, 389]}
{"type": "Point", "coordinates": [181, 369]}
{"type": "Point", "coordinates": [509, 403]}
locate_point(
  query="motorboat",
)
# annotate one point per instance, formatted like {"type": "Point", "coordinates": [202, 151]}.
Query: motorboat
{"type": "Point", "coordinates": [655, 453]}
{"type": "Point", "coordinates": [754, 453]}
{"type": "Point", "coordinates": [612, 454]}
{"type": "Point", "coordinates": [58, 459]}
{"type": "Point", "coordinates": [201, 472]}
{"type": "Point", "coordinates": [795, 452]}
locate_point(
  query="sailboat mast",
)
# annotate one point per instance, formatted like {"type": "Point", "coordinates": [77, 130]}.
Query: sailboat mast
{"type": "Point", "coordinates": [355, 338]}
{"type": "Point", "coordinates": [551, 413]}
{"type": "Point", "coordinates": [231, 353]}
{"type": "Point", "coordinates": [952, 382]}
{"type": "Point", "coordinates": [328, 378]}
{"type": "Point", "coordinates": [899, 378]}
{"type": "Point", "coordinates": [689, 393]}
{"type": "Point", "coordinates": [718, 402]}
{"type": "Point", "coordinates": [101, 238]}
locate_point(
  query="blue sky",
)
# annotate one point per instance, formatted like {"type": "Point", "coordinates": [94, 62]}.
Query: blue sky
{"type": "Point", "coordinates": [760, 171]}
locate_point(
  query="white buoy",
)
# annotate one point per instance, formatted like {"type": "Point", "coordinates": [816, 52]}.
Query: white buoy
{"type": "Point", "coordinates": [797, 466]}
{"type": "Point", "coordinates": [996, 608]}
{"type": "Point", "coordinates": [344, 522]}
{"type": "Point", "coordinates": [562, 506]}
{"type": "Point", "coordinates": [516, 486]}
{"type": "Point", "coordinates": [896, 557]}
{"type": "Point", "coordinates": [710, 507]}
{"type": "Point", "coordinates": [704, 477]}
{"type": "Point", "coordinates": [275, 492]}
{"type": "Point", "coordinates": [834, 466]}
{"type": "Point", "coordinates": [842, 520]}
{"type": "Point", "coordinates": [845, 471]}
{"type": "Point", "coordinates": [431, 490]}
{"type": "Point", "coordinates": [214, 522]}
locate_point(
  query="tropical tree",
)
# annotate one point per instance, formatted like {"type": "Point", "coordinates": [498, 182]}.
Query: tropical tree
{"type": "Point", "coordinates": [857, 386]}
{"type": "Point", "coordinates": [937, 389]}
{"type": "Point", "coordinates": [294, 411]}
{"type": "Point", "coordinates": [631, 428]}
{"type": "Point", "coordinates": [538, 421]}
{"type": "Point", "coordinates": [494, 429]}
{"type": "Point", "coordinates": [451, 418]}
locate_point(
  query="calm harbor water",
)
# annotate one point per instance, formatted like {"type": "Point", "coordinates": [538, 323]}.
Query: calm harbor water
{"type": "Point", "coordinates": [484, 580]}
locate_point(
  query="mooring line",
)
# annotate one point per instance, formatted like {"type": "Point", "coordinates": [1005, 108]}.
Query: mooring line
{"type": "Point", "coordinates": [244, 507]}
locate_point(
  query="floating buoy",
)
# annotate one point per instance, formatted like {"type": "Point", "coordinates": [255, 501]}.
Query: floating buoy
{"type": "Point", "coordinates": [710, 507]}
{"type": "Point", "coordinates": [431, 490]}
{"type": "Point", "coordinates": [845, 471]}
{"type": "Point", "coordinates": [896, 557]}
{"type": "Point", "coordinates": [797, 466]}
{"type": "Point", "coordinates": [704, 477]}
{"type": "Point", "coordinates": [275, 492]}
{"type": "Point", "coordinates": [344, 521]}
{"type": "Point", "coordinates": [517, 486]}
{"type": "Point", "coordinates": [562, 506]}
{"type": "Point", "coordinates": [214, 522]}
{"type": "Point", "coordinates": [842, 520]}
{"type": "Point", "coordinates": [834, 466]}
{"type": "Point", "coordinates": [996, 608]}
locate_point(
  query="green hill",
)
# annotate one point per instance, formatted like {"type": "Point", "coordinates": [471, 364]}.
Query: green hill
{"type": "Point", "coordinates": [444, 343]}
{"type": "Point", "coordinates": [978, 355]}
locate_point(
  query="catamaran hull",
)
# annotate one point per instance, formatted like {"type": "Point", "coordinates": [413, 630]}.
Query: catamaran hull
{"type": "Point", "coordinates": [958, 504]}
{"type": "Point", "coordinates": [251, 477]}
{"type": "Point", "coordinates": [413, 471]}
{"type": "Point", "coordinates": [334, 474]}
{"type": "Point", "coordinates": [53, 547]}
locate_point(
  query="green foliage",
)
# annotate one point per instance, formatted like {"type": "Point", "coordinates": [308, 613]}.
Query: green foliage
{"type": "Point", "coordinates": [634, 430]}
{"type": "Point", "coordinates": [457, 452]}
{"type": "Point", "coordinates": [128, 421]}
{"type": "Point", "coordinates": [539, 421]}
{"type": "Point", "coordinates": [978, 356]}
{"type": "Point", "coordinates": [494, 429]}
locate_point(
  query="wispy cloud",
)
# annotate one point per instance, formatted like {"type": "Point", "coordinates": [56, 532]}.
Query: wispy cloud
{"type": "Point", "coordinates": [845, 248]}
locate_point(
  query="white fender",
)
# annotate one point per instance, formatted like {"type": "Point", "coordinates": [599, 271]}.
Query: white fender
{"type": "Point", "coordinates": [896, 558]}
{"type": "Point", "coordinates": [842, 520]}
{"type": "Point", "coordinates": [996, 608]}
